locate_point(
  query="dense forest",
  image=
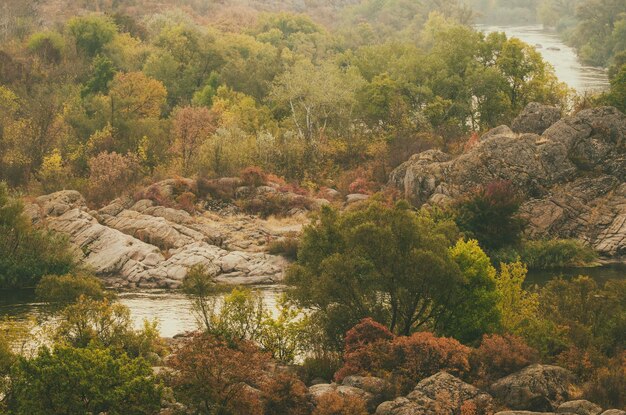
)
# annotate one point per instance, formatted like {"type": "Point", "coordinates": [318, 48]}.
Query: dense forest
{"type": "Point", "coordinates": [357, 156]}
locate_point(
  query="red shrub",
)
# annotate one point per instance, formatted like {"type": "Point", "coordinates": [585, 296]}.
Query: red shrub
{"type": "Point", "coordinates": [404, 360]}
{"type": "Point", "coordinates": [361, 185]}
{"type": "Point", "coordinates": [253, 176]}
{"type": "Point", "coordinates": [365, 332]}
{"type": "Point", "coordinates": [186, 201]}
{"type": "Point", "coordinates": [499, 356]}
{"type": "Point", "coordinates": [285, 394]}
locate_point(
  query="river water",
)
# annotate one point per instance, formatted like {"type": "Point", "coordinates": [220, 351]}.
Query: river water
{"type": "Point", "coordinates": [563, 58]}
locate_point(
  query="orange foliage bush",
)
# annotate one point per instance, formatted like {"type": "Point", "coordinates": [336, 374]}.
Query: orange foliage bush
{"type": "Point", "coordinates": [253, 176]}
{"type": "Point", "coordinates": [186, 201]}
{"type": "Point", "coordinates": [499, 356]}
{"type": "Point", "coordinates": [403, 360]}
{"type": "Point", "coordinates": [335, 404]}
{"type": "Point", "coordinates": [285, 394]}
{"type": "Point", "coordinates": [210, 373]}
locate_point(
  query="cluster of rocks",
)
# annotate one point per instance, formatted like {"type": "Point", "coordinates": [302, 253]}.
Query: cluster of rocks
{"type": "Point", "coordinates": [140, 244]}
{"type": "Point", "coordinates": [535, 390]}
{"type": "Point", "coordinates": [571, 171]}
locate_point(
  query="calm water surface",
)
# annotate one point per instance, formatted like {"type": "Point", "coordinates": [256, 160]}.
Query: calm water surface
{"type": "Point", "coordinates": [563, 58]}
{"type": "Point", "coordinates": [173, 312]}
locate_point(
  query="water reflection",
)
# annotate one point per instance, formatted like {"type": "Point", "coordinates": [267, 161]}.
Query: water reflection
{"type": "Point", "coordinates": [563, 58]}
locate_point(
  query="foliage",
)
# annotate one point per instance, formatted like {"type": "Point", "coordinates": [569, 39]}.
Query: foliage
{"type": "Point", "coordinates": [607, 385]}
{"type": "Point", "coordinates": [287, 247]}
{"type": "Point", "coordinates": [199, 287]}
{"type": "Point", "coordinates": [110, 175]}
{"type": "Point", "coordinates": [490, 215]}
{"type": "Point", "coordinates": [387, 263]}
{"type": "Point", "coordinates": [27, 254]}
{"type": "Point", "coordinates": [406, 360]}
{"type": "Point", "coordinates": [212, 376]}
{"type": "Point", "coordinates": [474, 311]}
{"type": "Point", "coordinates": [68, 288]}
{"type": "Point", "coordinates": [499, 356]}
{"type": "Point", "coordinates": [284, 393]}
{"type": "Point", "coordinates": [77, 381]}
{"type": "Point", "coordinates": [92, 33]}
{"type": "Point", "coordinates": [102, 324]}
{"type": "Point", "coordinates": [555, 253]}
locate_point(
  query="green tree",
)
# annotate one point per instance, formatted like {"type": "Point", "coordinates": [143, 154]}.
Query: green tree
{"type": "Point", "coordinates": [68, 288]}
{"type": "Point", "coordinates": [474, 311]}
{"type": "Point", "coordinates": [387, 263]}
{"type": "Point", "coordinates": [75, 381]}
{"type": "Point", "coordinates": [92, 33]}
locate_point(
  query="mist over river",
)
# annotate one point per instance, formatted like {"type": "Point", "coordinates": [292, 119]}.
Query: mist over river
{"type": "Point", "coordinates": [562, 57]}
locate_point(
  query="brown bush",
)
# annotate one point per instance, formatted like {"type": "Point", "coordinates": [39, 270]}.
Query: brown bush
{"type": "Point", "coordinates": [333, 403]}
{"type": "Point", "coordinates": [111, 175]}
{"type": "Point", "coordinates": [186, 201]}
{"type": "Point", "coordinates": [499, 356]}
{"type": "Point", "coordinates": [287, 247]}
{"type": "Point", "coordinates": [406, 360]}
{"type": "Point", "coordinates": [253, 176]}
{"type": "Point", "coordinates": [607, 386]}
{"type": "Point", "coordinates": [285, 394]}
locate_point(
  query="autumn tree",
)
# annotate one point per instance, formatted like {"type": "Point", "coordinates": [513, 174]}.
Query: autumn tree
{"type": "Point", "coordinates": [191, 126]}
{"type": "Point", "coordinates": [91, 33]}
{"type": "Point", "coordinates": [134, 95]}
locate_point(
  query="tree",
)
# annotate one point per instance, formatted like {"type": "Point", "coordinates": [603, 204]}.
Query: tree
{"type": "Point", "coordinates": [473, 312]}
{"type": "Point", "coordinates": [92, 33]}
{"type": "Point", "coordinates": [200, 288]}
{"type": "Point", "coordinates": [617, 94]}
{"type": "Point", "coordinates": [134, 95]}
{"type": "Point", "coordinates": [103, 71]}
{"type": "Point", "coordinates": [27, 254]}
{"type": "Point", "coordinates": [68, 288]}
{"type": "Point", "coordinates": [191, 126]}
{"type": "Point", "coordinates": [387, 263]}
{"type": "Point", "coordinates": [111, 174]}
{"type": "Point", "coordinates": [76, 381]}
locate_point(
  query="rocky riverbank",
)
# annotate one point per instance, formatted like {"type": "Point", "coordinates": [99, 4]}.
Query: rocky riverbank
{"type": "Point", "coordinates": [571, 172]}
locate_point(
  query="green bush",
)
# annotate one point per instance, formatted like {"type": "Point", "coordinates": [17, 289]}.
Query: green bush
{"type": "Point", "coordinates": [70, 380]}
{"type": "Point", "coordinates": [26, 253]}
{"type": "Point", "coordinates": [66, 289]}
{"type": "Point", "coordinates": [556, 253]}
{"type": "Point", "coordinates": [287, 247]}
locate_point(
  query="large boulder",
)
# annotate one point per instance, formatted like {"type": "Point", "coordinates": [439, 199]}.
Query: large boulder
{"type": "Point", "coordinates": [535, 118]}
{"type": "Point", "coordinates": [534, 388]}
{"type": "Point", "coordinates": [441, 393]}
{"type": "Point", "coordinates": [579, 407]}
{"type": "Point", "coordinates": [572, 177]}
{"type": "Point", "coordinates": [317, 391]}
{"type": "Point", "coordinates": [380, 389]}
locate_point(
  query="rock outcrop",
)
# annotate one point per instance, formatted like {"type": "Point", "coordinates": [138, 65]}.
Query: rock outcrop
{"type": "Point", "coordinates": [140, 244]}
{"type": "Point", "coordinates": [537, 387]}
{"type": "Point", "coordinates": [440, 393]}
{"type": "Point", "coordinates": [572, 176]}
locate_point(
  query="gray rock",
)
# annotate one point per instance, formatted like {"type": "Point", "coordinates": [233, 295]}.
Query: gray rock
{"type": "Point", "coordinates": [579, 407]}
{"type": "Point", "coordinates": [356, 197]}
{"type": "Point", "coordinates": [405, 406]}
{"type": "Point", "coordinates": [380, 389]}
{"type": "Point", "coordinates": [535, 118]}
{"type": "Point", "coordinates": [572, 177]}
{"type": "Point", "coordinates": [534, 388]}
{"type": "Point", "coordinates": [614, 412]}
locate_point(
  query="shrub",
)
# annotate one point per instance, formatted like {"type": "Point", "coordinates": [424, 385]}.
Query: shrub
{"type": "Point", "coordinates": [287, 247]}
{"type": "Point", "coordinates": [213, 376]}
{"type": "Point", "coordinates": [607, 386]}
{"type": "Point", "coordinates": [186, 201]}
{"type": "Point", "coordinates": [27, 254]}
{"type": "Point", "coordinates": [499, 356]}
{"type": "Point", "coordinates": [285, 394]}
{"type": "Point", "coordinates": [333, 403]}
{"type": "Point", "coordinates": [321, 367]}
{"type": "Point", "coordinates": [111, 174]}
{"type": "Point", "coordinates": [78, 381]}
{"type": "Point", "coordinates": [366, 332]}
{"type": "Point", "coordinates": [490, 215]}
{"type": "Point", "coordinates": [554, 253]}
{"type": "Point", "coordinates": [253, 176]}
{"type": "Point", "coordinates": [407, 360]}
{"type": "Point", "coordinates": [68, 288]}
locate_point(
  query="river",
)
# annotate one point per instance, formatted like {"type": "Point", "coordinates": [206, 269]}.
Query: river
{"type": "Point", "coordinates": [584, 79]}
{"type": "Point", "coordinates": [173, 311]}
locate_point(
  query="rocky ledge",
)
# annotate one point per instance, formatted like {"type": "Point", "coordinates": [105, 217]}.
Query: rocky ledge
{"type": "Point", "coordinates": [141, 244]}
{"type": "Point", "coordinates": [571, 172]}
